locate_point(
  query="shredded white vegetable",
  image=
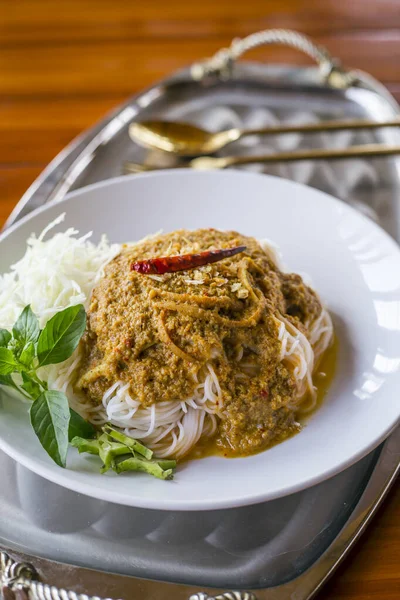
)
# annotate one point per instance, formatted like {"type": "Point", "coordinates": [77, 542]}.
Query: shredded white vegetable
{"type": "Point", "coordinates": [53, 274]}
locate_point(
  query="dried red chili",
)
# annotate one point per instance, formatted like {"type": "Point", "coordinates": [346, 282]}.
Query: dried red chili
{"type": "Point", "coordinates": [184, 262]}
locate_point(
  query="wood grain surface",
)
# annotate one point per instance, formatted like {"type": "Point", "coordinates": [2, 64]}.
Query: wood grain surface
{"type": "Point", "coordinates": [64, 64]}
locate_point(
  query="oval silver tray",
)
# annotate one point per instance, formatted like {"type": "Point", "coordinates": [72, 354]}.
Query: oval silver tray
{"type": "Point", "coordinates": [281, 549]}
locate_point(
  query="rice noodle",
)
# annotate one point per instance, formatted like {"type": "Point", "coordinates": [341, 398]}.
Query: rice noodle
{"type": "Point", "coordinates": [302, 355]}
{"type": "Point", "coordinates": [62, 272]}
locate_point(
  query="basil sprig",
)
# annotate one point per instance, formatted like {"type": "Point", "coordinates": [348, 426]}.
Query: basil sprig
{"type": "Point", "coordinates": [5, 337]}
{"type": "Point", "coordinates": [27, 348]}
{"type": "Point", "coordinates": [26, 329]}
{"type": "Point", "coordinates": [50, 418]}
{"type": "Point", "coordinates": [61, 336]}
{"type": "Point", "coordinates": [8, 363]}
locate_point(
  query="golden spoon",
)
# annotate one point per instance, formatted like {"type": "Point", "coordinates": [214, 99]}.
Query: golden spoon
{"type": "Point", "coordinates": [213, 162]}
{"type": "Point", "coordinates": [184, 139]}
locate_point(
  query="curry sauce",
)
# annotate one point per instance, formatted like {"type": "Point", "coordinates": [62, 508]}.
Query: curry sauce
{"type": "Point", "coordinates": [323, 378]}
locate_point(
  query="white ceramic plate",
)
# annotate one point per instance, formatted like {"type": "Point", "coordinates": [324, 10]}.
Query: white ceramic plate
{"type": "Point", "coordinates": [355, 267]}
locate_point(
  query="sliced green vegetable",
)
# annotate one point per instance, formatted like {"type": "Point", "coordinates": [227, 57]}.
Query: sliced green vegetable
{"type": "Point", "coordinates": [78, 427]}
{"type": "Point", "coordinates": [8, 363]}
{"type": "Point", "coordinates": [61, 335]}
{"type": "Point", "coordinates": [5, 337]}
{"type": "Point", "coordinates": [50, 419]}
{"type": "Point", "coordinates": [26, 329]}
{"type": "Point", "coordinates": [121, 456]}
{"type": "Point", "coordinates": [165, 464]}
{"type": "Point", "coordinates": [104, 438]}
{"type": "Point", "coordinates": [145, 466]}
{"type": "Point", "coordinates": [89, 446]}
{"type": "Point", "coordinates": [109, 451]}
{"type": "Point", "coordinates": [128, 441]}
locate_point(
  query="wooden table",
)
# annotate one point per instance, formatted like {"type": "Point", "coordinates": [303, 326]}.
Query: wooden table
{"type": "Point", "coordinates": [64, 64]}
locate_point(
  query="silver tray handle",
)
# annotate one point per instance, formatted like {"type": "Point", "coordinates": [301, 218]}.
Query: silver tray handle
{"type": "Point", "coordinates": [19, 581]}
{"type": "Point", "coordinates": [222, 63]}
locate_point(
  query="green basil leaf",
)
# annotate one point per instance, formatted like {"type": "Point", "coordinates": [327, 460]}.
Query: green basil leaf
{"type": "Point", "coordinates": [26, 329]}
{"type": "Point", "coordinates": [50, 420]}
{"type": "Point", "coordinates": [80, 428]}
{"type": "Point", "coordinates": [5, 337]}
{"type": "Point", "coordinates": [8, 381]}
{"type": "Point", "coordinates": [30, 386]}
{"type": "Point", "coordinates": [28, 354]}
{"type": "Point", "coordinates": [8, 363]}
{"type": "Point", "coordinates": [61, 336]}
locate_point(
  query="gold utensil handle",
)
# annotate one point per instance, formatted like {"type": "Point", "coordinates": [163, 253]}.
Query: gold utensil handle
{"type": "Point", "coordinates": [366, 150]}
{"type": "Point", "coordinates": [223, 162]}
{"type": "Point", "coordinates": [322, 126]}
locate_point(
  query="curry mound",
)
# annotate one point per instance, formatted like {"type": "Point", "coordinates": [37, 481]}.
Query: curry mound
{"type": "Point", "coordinates": [159, 332]}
